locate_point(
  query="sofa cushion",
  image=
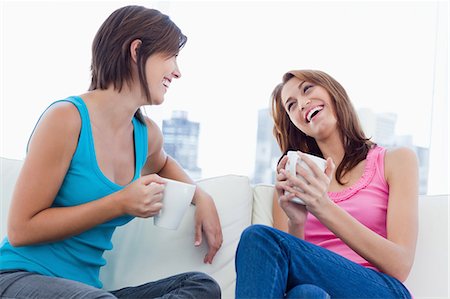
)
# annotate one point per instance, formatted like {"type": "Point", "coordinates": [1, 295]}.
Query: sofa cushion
{"type": "Point", "coordinates": [429, 276]}
{"type": "Point", "coordinates": [137, 258]}
{"type": "Point", "coordinates": [262, 204]}
{"type": "Point", "coordinates": [10, 169]}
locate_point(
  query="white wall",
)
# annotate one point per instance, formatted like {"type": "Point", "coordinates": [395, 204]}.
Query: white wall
{"type": "Point", "coordinates": [438, 178]}
{"type": "Point", "coordinates": [383, 52]}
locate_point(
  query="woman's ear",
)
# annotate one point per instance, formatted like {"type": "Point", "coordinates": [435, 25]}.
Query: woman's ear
{"type": "Point", "coordinates": [134, 49]}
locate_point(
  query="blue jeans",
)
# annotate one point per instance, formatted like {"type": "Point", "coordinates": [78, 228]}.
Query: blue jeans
{"type": "Point", "coordinates": [273, 264]}
{"type": "Point", "coordinates": [22, 284]}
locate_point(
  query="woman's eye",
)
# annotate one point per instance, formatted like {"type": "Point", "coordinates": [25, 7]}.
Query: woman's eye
{"type": "Point", "coordinates": [305, 89]}
{"type": "Point", "coordinates": [289, 106]}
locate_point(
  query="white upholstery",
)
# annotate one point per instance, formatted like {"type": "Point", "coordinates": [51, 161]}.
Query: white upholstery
{"type": "Point", "coordinates": [429, 276]}
{"type": "Point", "coordinates": [9, 172]}
{"type": "Point", "coordinates": [143, 252]}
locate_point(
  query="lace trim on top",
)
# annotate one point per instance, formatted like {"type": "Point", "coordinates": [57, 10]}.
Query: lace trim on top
{"type": "Point", "coordinates": [369, 172]}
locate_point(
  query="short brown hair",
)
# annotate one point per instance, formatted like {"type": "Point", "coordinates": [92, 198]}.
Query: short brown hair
{"type": "Point", "coordinates": [289, 137]}
{"type": "Point", "coordinates": [111, 46]}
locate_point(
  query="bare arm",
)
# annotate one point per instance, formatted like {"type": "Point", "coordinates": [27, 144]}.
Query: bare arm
{"type": "Point", "coordinates": [206, 216]}
{"type": "Point", "coordinates": [392, 255]}
{"type": "Point", "coordinates": [157, 159]}
{"type": "Point", "coordinates": [31, 218]}
{"type": "Point", "coordinates": [280, 219]}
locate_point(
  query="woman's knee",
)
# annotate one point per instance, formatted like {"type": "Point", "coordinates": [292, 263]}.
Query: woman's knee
{"type": "Point", "coordinates": [257, 238]}
{"type": "Point", "coordinates": [255, 234]}
{"type": "Point", "coordinates": [209, 286]}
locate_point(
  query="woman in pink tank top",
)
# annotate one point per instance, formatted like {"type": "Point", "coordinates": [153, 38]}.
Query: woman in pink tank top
{"type": "Point", "coordinates": [355, 235]}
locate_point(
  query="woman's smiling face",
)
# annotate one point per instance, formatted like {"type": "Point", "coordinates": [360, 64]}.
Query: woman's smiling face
{"type": "Point", "coordinates": [309, 107]}
{"type": "Point", "coordinates": [161, 70]}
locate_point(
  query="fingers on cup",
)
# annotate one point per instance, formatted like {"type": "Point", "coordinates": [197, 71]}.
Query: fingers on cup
{"type": "Point", "coordinates": [307, 177]}
{"type": "Point", "coordinates": [158, 197]}
{"type": "Point", "coordinates": [287, 197]}
{"type": "Point", "coordinates": [314, 168]}
{"type": "Point", "coordinates": [149, 210]}
{"type": "Point", "coordinates": [282, 164]}
{"type": "Point", "coordinates": [281, 175]}
{"type": "Point", "coordinates": [151, 178]}
{"type": "Point", "coordinates": [294, 180]}
{"type": "Point", "coordinates": [155, 208]}
{"type": "Point", "coordinates": [156, 189]}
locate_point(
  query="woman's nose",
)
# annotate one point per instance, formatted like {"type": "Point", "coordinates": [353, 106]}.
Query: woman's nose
{"type": "Point", "coordinates": [176, 72]}
{"type": "Point", "coordinates": [305, 103]}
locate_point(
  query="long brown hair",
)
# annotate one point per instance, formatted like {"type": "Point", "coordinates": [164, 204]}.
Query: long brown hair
{"type": "Point", "coordinates": [111, 46]}
{"type": "Point", "coordinates": [289, 137]}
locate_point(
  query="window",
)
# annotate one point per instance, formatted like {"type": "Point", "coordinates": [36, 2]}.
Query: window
{"type": "Point", "coordinates": [390, 56]}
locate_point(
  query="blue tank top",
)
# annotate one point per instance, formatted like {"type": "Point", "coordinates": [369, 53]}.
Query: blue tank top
{"type": "Point", "coordinates": [79, 257]}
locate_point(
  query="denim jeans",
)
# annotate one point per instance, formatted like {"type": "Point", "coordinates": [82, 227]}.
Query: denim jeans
{"type": "Point", "coordinates": [273, 264]}
{"type": "Point", "coordinates": [22, 284]}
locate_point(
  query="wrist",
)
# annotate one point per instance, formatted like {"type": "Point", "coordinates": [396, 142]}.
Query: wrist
{"type": "Point", "coordinates": [296, 228]}
{"type": "Point", "coordinates": [117, 198]}
{"type": "Point", "coordinates": [296, 224]}
{"type": "Point", "coordinates": [323, 209]}
{"type": "Point", "coordinates": [200, 196]}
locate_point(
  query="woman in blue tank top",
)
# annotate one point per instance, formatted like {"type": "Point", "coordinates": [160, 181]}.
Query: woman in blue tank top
{"type": "Point", "coordinates": [93, 163]}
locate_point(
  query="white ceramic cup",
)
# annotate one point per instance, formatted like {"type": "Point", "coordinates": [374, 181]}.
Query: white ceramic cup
{"type": "Point", "coordinates": [176, 200]}
{"type": "Point", "coordinates": [294, 159]}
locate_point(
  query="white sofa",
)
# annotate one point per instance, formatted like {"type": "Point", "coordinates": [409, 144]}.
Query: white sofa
{"type": "Point", "coordinates": [143, 252]}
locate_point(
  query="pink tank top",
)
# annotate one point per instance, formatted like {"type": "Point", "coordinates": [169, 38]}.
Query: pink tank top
{"type": "Point", "coordinates": [366, 201]}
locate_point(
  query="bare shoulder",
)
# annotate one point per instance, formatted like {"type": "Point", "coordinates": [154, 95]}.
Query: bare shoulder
{"type": "Point", "coordinates": [151, 125]}
{"type": "Point", "coordinates": [400, 160]}
{"type": "Point", "coordinates": [64, 115]}
{"type": "Point", "coordinates": [400, 155]}
{"type": "Point", "coordinates": [59, 126]}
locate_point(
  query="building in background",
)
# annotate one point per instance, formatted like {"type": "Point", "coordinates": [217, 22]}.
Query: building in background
{"type": "Point", "coordinates": [181, 142]}
{"type": "Point", "coordinates": [380, 127]}
{"type": "Point", "coordinates": [267, 150]}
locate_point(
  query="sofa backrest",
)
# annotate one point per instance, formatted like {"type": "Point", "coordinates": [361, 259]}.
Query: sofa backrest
{"type": "Point", "coordinates": [143, 252]}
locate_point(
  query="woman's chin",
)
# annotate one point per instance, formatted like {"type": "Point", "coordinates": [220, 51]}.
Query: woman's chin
{"type": "Point", "coordinates": [159, 102]}
{"type": "Point", "coordinates": [156, 101]}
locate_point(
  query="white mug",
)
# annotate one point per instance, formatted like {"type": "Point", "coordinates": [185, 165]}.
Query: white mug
{"type": "Point", "coordinates": [293, 160]}
{"type": "Point", "coordinates": [176, 199]}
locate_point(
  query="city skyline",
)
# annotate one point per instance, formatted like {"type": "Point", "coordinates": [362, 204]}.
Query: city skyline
{"type": "Point", "coordinates": [229, 71]}
{"type": "Point", "coordinates": [181, 139]}
{"type": "Point", "coordinates": [379, 127]}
